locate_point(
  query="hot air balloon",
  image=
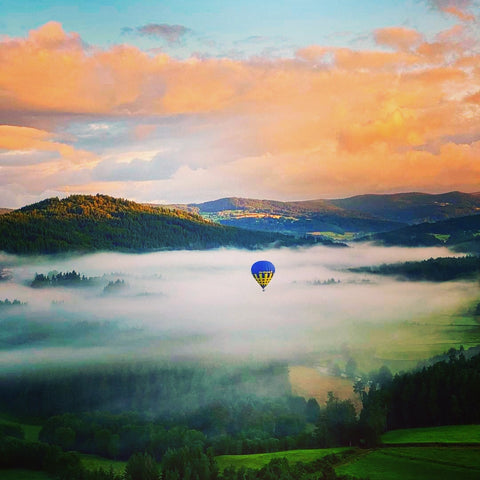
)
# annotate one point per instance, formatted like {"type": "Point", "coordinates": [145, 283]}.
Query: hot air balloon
{"type": "Point", "coordinates": [262, 272]}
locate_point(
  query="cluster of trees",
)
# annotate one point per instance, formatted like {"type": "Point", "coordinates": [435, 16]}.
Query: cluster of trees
{"type": "Point", "coordinates": [115, 286]}
{"type": "Point", "coordinates": [183, 463]}
{"type": "Point", "coordinates": [154, 389]}
{"type": "Point", "coordinates": [461, 233]}
{"type": "Point", "coordinates": [445, 393]}
{"type": "Point", "coordinates": [59, 279]}
{"type": "Point", "coordinates": [281, 469]}
{"type": "Point", "coordinates": [118, 436]}
{"type": "Point", "coordinates": [19, 453]}
{"type": "Point", "coordinates": [330, 281]}
{"type": "Point", "coordinates": [11, 303]}
{"type": "Point", "coordinates": [90, 223]}
{"type": "Point", "coordinates": [197, 425]}
{"type": "Point", "coordinates": [434, 269]}
{"type": "Point", "coordinates": [240, 427]}
{"type": "Point", "coordinates": [5, 274]}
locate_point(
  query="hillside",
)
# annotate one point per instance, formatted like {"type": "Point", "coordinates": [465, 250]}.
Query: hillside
{"type": "Point", "coordinates": [460, 234]}
{"type": "Point", "coordinates": [300, 218]}
{"type": "Point", "coordinates": [414, 207]}
{"type": "Point", "coordinates": [355, 216]}
{"type": "Point", "coordinates": [83, 223]}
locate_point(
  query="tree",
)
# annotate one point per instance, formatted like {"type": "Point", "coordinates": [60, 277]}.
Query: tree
{"type": "Point", "coordinates": [189, 464]}
{"type": "Point", "coordinates": [351, 367]}
{"type": "Point", "coordinates": [141, 466]}
{"type": "Point", "coordinates": [384, 377]}
{"type": "Point", "coordinates": [65, 437]}
{"type": "Point", "coordinates": [312, 410]}
{"type": "Point", "coordinates": [359, 388]}
{"type": "Point", "coordinates": [337, 424]}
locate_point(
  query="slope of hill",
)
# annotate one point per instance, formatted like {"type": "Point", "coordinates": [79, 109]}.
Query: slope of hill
{"type": "Point", "coordinates": [461, 234]}
{"type": "Point", "coordinates": [87, 223]}
{"type": "Point", "coordinates": [414, 207]}
{"type": "Point", "coordinates": [300, 218]}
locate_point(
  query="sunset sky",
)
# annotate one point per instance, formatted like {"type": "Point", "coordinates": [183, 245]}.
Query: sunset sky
{"type": "Point", "coordinates": [175, 101]}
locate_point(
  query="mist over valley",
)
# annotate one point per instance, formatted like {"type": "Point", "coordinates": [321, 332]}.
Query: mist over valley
{"type": "Point", "coordinates": [206, 306]}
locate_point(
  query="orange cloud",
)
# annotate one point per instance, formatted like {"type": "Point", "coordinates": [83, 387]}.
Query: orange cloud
{"type": "Point", "coordinates": [399, 38]}
{"type": "Point", "coordinates": [456, 12]}
{"type": "Point", "coordinates": [475, 98]}
{"type": "Point", "coordinates": [16, 138]}
{"type": "Point", "coordinates": [328, 120]}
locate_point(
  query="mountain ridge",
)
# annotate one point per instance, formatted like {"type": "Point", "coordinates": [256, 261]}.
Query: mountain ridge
{"type": "Point", "coordinates": [85, 223]}
{"type": "Point", "coordinates": [459, 234]}
{"type": "Point", "coordinates": [359, 215]}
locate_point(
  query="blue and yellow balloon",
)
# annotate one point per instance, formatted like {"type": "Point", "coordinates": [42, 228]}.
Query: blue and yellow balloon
{"type": "Point", "coordinates": [262, 272]}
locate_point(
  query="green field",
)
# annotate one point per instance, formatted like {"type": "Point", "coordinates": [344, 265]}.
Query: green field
{"type": "Point", "coordinates": [416, 463]}
{"type": "Point", "coordinates": [93, 462]}
{"type": "Point", "coordinates": [445, 434]}
{"type": "Point", "coordinates": [20, 474]}
{"type": "Point", "coordinates": [441, 236]}
{"type": "Point", "coordinates": [31, 431]}
{"type": "Point", "coordinates": [346, 236]}
{"type": "Point", "coordinates": [257, 461]}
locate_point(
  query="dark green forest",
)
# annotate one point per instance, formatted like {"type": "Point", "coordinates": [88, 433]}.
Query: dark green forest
{"type": "Point", "coordinates": [85, 223]}
{"type": "Point", "coordinates": [459, 234]}
{"type": "Point", "coordinates": [60, 279]}
{"type": "Point", "coordinates": [165, 419]}
{"type": "Point", "coordinates": [440, 269]}
{"type": "Point", "coordinates": [445, 393]}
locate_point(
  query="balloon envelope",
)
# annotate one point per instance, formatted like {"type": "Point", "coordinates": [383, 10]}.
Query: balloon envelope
{"type": "Point", "coordinates": [262, 272]}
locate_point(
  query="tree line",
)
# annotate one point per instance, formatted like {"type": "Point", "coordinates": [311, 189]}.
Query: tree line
{"type": "Point", "coordinates": [440, 269]}
{"type": "Point", "coordinates": [85, 223]}
{"type": "Point", "coordinates": [445, 393]}
{"type": "Point", "coordinates": [153, 388]}
{"type": "Point", "coordinates": [184, 463]}
{"type": "Point", "coordinates": [60, 279]}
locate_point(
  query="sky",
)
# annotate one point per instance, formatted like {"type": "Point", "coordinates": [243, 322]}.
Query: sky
{"type": "Point", "coordinates": [181, 101]}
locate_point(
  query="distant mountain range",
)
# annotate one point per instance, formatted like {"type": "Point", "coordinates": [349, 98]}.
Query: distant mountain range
{"type": "Point", "coordinates": [85, 223]}
{"type": "Point", "coordinates": [100, 222]}
{"type": "Point", "coordinates": [414, 207]}
{"type": "Point", "coordinates": [357, 215]}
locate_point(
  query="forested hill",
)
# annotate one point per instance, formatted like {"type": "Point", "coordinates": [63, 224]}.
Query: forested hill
{"type": "Point", "coordinates": [414, 207]}
{"type": "Point", "coordinates": [357, 215]}
{"type": "Point", "coordinates": [461, 234]}
{"type": "Point", "coordinates": [297, 218]}
{"type": "Point", "coordinates": [83, 223]}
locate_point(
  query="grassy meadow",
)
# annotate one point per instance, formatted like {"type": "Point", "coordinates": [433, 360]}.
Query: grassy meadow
{"type": "Point", "coordinates": [31, 431]}
{"type": "Point", "coordinates": [415, 463]}
{"type": "Point", "coordinates": [93, 462]}
{"type": "Point", "coordinates": [443, 434]}
{"type": "Point", "coordinates": [257, 461]}
{"type": "Point", "coordinates": [20, 474]}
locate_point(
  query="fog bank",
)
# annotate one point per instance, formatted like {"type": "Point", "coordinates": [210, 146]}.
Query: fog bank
{"type": "Point", "coordinates": [207, 305]}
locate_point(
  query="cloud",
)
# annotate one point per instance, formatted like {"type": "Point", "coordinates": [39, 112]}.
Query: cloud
{"type": "Point", "coordinates": [456, 8]}
{"type": "Point", "coordinates": [399, 38]}
{"type": "Point", "coordinates": [320, 123]}
{"type": "Point", "coordinates": [13, 138]}
{"type": "Point", "coordinates": [155, 166]}
{"type": "Point", "coordinates": [474, 98]}
{"type": "Point", "coordinates": [171, 33]}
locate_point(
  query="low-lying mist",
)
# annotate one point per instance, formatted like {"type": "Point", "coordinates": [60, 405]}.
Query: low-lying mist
{"type": "Point", "coordinates": [206, 305]}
